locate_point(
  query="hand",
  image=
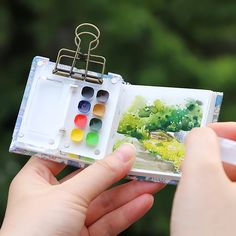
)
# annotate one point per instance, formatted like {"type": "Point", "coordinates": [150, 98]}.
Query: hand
{"type": "Point", "coordinates": [79, 204]}
{"type": "Point", "coordinates": [205, 201]}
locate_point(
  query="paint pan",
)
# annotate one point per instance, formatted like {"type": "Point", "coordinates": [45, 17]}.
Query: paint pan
{"type": "Point", "coordinates": [87, 92]}
{"type": "Point", "coordinates": [95, 124]}
{"type": "Point", "coordinates": [84, 106]}
{"type": "Point", "coordinates": [99, 110]}
{"type": "Point", "coordinates": [102, 96]}
{"type": "Point", "coordinates": [92, 139]}
{"type": "Point", "coordinates": [80, 121]}
{"type": "Point", "coordinates": [77, 135]}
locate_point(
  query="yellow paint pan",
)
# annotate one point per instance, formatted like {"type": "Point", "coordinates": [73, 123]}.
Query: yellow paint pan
{"type": "Point", "coordinates": [77, 135]}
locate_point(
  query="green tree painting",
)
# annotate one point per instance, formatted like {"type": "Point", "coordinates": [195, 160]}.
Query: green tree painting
{"type": "Point", "coordinates": [150, 125]}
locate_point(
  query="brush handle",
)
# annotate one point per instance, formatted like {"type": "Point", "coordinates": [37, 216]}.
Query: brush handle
{"type": "Point", "coordinates": [228, 151]}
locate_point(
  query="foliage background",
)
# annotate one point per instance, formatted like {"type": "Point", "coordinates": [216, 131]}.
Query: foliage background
{"type": "Point", "coordinates": [184, 43]}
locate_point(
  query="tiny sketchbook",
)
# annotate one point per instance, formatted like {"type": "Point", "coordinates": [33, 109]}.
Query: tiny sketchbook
{"type": "Point", "coordinates": [77, 116]}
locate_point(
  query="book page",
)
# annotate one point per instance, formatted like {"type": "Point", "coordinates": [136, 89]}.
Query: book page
{"type": "Point", "coordinates": [156, 120]}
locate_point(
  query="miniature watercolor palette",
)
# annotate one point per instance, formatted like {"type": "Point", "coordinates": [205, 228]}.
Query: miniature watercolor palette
{"type": "Point", "coordinates": [78, 122]}
{"type": "Point", "coordinates": [89, 119]}
{"type": "Point", "coordinates": [63, 116]}
{"type": "Point", "coordinates": [89, 115]}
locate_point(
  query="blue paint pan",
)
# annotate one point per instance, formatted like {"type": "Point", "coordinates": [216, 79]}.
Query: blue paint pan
{"type": "Point", "coordinates": [84, 106]}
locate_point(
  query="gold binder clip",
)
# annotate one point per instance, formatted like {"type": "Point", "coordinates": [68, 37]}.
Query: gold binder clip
{"type": "Point", "coordinates": [78, 55]}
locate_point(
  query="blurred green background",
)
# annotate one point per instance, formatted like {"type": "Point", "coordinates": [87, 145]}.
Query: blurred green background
{"type": "Point", "coordinates": [183, 43]}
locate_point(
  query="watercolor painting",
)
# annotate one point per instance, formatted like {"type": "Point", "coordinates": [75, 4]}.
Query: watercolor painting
{"type": "Point", "coordinates": [157, 130]}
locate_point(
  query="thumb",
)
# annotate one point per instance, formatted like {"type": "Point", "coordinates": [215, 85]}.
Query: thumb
{"type": "Point", "coordinates": [202, 159]}
{"type": "Point", "coordinates": [102, 174]}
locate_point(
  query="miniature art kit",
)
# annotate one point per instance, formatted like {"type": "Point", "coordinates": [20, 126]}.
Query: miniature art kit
{"type": "Point", "coordinates": [76, 116]}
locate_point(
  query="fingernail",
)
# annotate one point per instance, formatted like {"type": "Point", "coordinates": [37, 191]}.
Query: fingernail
{"type": "Point", "coordinates": [126, 152]}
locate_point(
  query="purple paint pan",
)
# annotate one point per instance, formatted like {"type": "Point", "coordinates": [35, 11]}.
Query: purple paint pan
{"type": "Point", "coordinates": [87, 92]}
{"type": "Point", "coordinates": [102, 96]}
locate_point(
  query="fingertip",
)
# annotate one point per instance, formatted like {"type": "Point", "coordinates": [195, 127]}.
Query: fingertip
{"type": "Point", "coordinates": [201, 140]}
{"type": "Point", "coordinates": [200, 136]}
{"type": "Point", "coordinates": [224, 129]}
{"type": "Point", "coordinates": [231, 124]}
{"type": "Point", "coordinates": [203, 130]}
{"type": "Point", "coordinates": [142, 187]}
{"type": "Point", "coordinates": [212, 125]}
{"type": "Point", "coordinates": [126, 152]}
{"type": "Point", "coordinates": [202, 153]}
{"type": "Point", "coordinates": [148, 200]}
{"type": "Point", "coordinates": [130, 145]}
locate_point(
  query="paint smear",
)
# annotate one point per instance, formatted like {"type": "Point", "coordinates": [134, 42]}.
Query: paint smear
{"type": "Point", "coordinates": [77, 135]}
{"type": "Point", "coordinates": [80, 121]}
{"type": "Point", "coordinates": [92, 139]}
{"type": "Point", "coordinates": [87, 92]}
{"type": "Point", "coordinates": [72, 155]}
{"type": "Point", "coordinates": [95, 124]}
{"type": "Point", "coordinates": [99, 110]}
{"type": "Point", "coordinates": [84, 106]}
{"type": "Point", "coordinates": [102, 96]}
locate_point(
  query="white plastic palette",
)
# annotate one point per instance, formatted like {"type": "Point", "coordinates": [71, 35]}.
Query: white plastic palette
{"type": "Point", "coordinates": [67, 116]}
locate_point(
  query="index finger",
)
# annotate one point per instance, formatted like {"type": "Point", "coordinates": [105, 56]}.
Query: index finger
{"type": "Point", "coordinates": [225, 129]}
{"type": "Point", "coordinates": [93, 180]}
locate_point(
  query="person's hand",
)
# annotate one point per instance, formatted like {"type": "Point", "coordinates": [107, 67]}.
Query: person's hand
{"type": "Point", "coordinates": [39, 204]}
{"type": "Point", "coordinates": [205, 201]}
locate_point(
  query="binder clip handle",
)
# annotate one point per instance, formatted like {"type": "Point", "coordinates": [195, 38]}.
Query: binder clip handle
{"type": "Point", "coordinates": [77, 55]}
{"type": "Point", "coordinates": [95, 35]}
